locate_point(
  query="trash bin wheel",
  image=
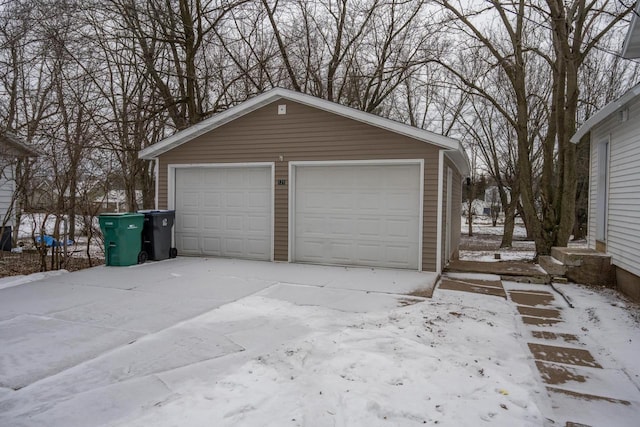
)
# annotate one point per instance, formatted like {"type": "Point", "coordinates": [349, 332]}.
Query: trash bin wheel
{"type": "Point", "coordinates": [142, 257]}
{"type": "Point", "coordinates": [173, 252]}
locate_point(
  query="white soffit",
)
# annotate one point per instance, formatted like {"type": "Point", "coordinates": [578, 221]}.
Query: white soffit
{"type": "Point", "coordinates": [605, 112]}
{"type": "Point", "coordinates": [631, 46]}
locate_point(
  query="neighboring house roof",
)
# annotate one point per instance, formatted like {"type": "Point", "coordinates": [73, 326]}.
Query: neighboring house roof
{"type": "Point", "coordinates": [631, 46]}
{"type": "Point", "coordinates": [15, 142]}
{"type": "Point", "coordinates": [456, 153]}
{"type": "Point", "coordinates": [605, 112]}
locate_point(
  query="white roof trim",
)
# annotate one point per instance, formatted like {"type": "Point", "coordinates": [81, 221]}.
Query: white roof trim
{"type": "Point", "coordinates": [11, 139]}
{"type": "Point", "coordinates": [263, 99]}
{"type": "Point", "coordinates": [605, 112]}
{"type": "Point", "coordinates": [631, 46]}
{"type": "Point", "coordinates": [460, 159]}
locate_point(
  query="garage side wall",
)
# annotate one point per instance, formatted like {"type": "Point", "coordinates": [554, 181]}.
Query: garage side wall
{"type": "Point", "coordinates": [456, 207]}
{"type": "Point", "coordinates": [306, 134]}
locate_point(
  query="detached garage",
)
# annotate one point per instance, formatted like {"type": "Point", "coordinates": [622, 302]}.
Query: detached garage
{"type": "Point", "coordinates": [290, 177]}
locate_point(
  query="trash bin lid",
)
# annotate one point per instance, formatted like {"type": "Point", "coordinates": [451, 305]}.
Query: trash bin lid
{"type": "Point", "coordinates": [120, 214]}
{"type": "Point", "coordinates": [156, 211]}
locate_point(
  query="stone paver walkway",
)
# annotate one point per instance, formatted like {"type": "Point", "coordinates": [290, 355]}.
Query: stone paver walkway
{"type": "Point", "coordinates": [574, 377]}
{"type": "Point", "coordinates": [487, 287]}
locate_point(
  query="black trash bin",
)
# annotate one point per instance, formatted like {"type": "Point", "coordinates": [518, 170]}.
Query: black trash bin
{"type": "Point", "coordinates": [5, 239]}
{"type": "Point", "coordinates": [156, 234]}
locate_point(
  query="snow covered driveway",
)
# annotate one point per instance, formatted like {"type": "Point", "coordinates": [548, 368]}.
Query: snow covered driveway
{"type": "Point", "coordinates": [91, 347]}
{"type": "Point", "coordinates": [213, 342]}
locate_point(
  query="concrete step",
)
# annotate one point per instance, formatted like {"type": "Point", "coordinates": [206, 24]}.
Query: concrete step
{"type": "Point", "coordinates": [552, 266]}
{"type": "Point", "coordinates": [575, 257]}
{"type": "Point", "coordinates": [581, 265]}
{"type": "Point", "coordinates": [515, 271]}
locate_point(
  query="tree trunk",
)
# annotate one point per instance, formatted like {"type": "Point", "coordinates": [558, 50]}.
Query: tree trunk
{"type": "Point", "coordinates": [509, 217]}
{"type": "Point", "coordinates": [470, 216]}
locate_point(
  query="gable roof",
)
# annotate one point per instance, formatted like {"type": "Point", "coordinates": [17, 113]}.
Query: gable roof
{"type": "Point", "coordinates": [631, 46]}
{"type": "Point", "coordinates": [16, 143]}
{"type": "Point", "coordinates": [605, 112]}
{"type": "Point", "coordinates": [456, 152]}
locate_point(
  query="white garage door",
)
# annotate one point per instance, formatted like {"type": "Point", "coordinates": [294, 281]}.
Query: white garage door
{"type": "Point", "coordinates": [357, 215]}
{"type": "Point", "coordinates": [224, 211]}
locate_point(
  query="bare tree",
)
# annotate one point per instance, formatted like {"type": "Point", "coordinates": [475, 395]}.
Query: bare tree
{"type": "Point", "coordinates": [27, 88]}
{"type": "Point", "coordinates": [563, 35]}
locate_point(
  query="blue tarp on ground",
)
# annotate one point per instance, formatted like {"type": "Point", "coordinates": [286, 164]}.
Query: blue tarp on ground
{"type": "Point", "coordinates": [50, 241]}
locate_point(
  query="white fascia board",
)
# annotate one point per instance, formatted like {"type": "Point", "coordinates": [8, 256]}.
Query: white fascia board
{"type": "Point", "coordinates": [280, 93]}
{"type": "Point", "coordinates": [460, 159]}
{"type": "Point", "coordinates": [631, 46]}
{"type": "Point", "coordinates": [15, 141]}
{"type": "Point", "coordinates": [605, 112]}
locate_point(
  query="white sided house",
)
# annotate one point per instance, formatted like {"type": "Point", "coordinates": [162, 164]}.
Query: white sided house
{"type": "Point", "coordinates": [11, 149]}
{"type": "Point", "coordinates": [614, 176]}
{"type": "Point", "coordinates": [614, 186]}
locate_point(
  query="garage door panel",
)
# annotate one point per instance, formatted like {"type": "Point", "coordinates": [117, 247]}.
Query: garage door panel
{"type": "Point", "coordinates": [369, 253]}
{"type": "Point", "coordinates": [316, 178]}
{"type": "Point", "coordinates": [339, 228]}
{"type": "Point", "coordinates": [211, 177]}
{"type": "Point", "coordinates": [234, 223]}
{"type": "Point", "coordinates": [191, 180]}
{"type": "Point", "coordinates": [258, 201]}
{"type": "Point", "coordinates": [233, 246]}
{"type": "Point", "coordinates": [357, 214]}
{"type": "Point", "coordinates": [256, 247]}
{"type": "Point", "coordinates": [257, 223]}
{"type": "Point", "coordinates": [399, 254]}
{"type": "Point", "coordinates": [211, 200]}
{"type": "Point", "coordinates": [211, 222]}
{"type": "Point", "coordinates": [310, 200]}
{"type": "Point", "coordinates": [339, 201]}
{"type": "Point", "coordinates": [189, 222]}
{"type": "Point", "coordinates": [400, 178]}
{"type": "Point", "coordinates": [341, 252]}
{"type": "Point", "coordinates": [234, 200]}
{"type": "Point", "coordinates": [235, 177]}
{"type": "Point", "coordinates": [313, 250]}
{"type": "Point", "coordinates": [369, 227]}
{"type": "Point", "coordinates": [368, 201]}
{"type": "Point", "coordinates": [227, 210]}
{"type": "Point", "coordinates": [191, 200]}
{"type": "Point", "coordinates": [189, 243]}
{"type": "Point", "coordinates": [255, 178]}
{"type": "Point", "coordinates": [211, 246]}
{"type": "Point", "coordinates": [402, 202]}
{"type": "Point", "coordinates": [400, 229]}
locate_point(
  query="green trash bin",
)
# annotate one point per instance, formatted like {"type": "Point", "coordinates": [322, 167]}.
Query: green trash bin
{"type": "Point", "coordinates": [122, 238]}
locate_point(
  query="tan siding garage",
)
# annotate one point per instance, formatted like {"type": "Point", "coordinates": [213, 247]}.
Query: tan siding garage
{"type": "Point", "coordinates": [291, 130]}
{"type": "Point", "coordinates": [224, 210]}
{"type": "Point", "coordinates": [356, 213]}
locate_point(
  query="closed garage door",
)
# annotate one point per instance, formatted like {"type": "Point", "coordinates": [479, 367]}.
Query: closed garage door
{"type": "Point", "coordinates": [224, 211]}
{"type": "Point", "coordinates": [357, 215]}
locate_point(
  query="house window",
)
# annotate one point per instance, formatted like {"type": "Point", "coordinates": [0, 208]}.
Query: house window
{"type": "Point", "coordinates": [603, 191]}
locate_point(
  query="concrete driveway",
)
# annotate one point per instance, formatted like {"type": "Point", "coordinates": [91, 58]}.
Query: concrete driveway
{"type": "Point", "coordinates": [99, 338]}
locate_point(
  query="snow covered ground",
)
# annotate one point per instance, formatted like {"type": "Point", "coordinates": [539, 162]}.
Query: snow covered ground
{"type": "Point", "coordinates": [32, 224]}
{"type": "Point", "coordinates": [486, 239]}
{"type": "Point", "coordinates": [195, 342]}
{"type": "Point", "coordinates": [421, 364]}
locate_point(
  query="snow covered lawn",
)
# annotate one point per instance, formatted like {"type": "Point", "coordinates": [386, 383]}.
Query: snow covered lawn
{"type": "Point", "coordinates": [236, 343]}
